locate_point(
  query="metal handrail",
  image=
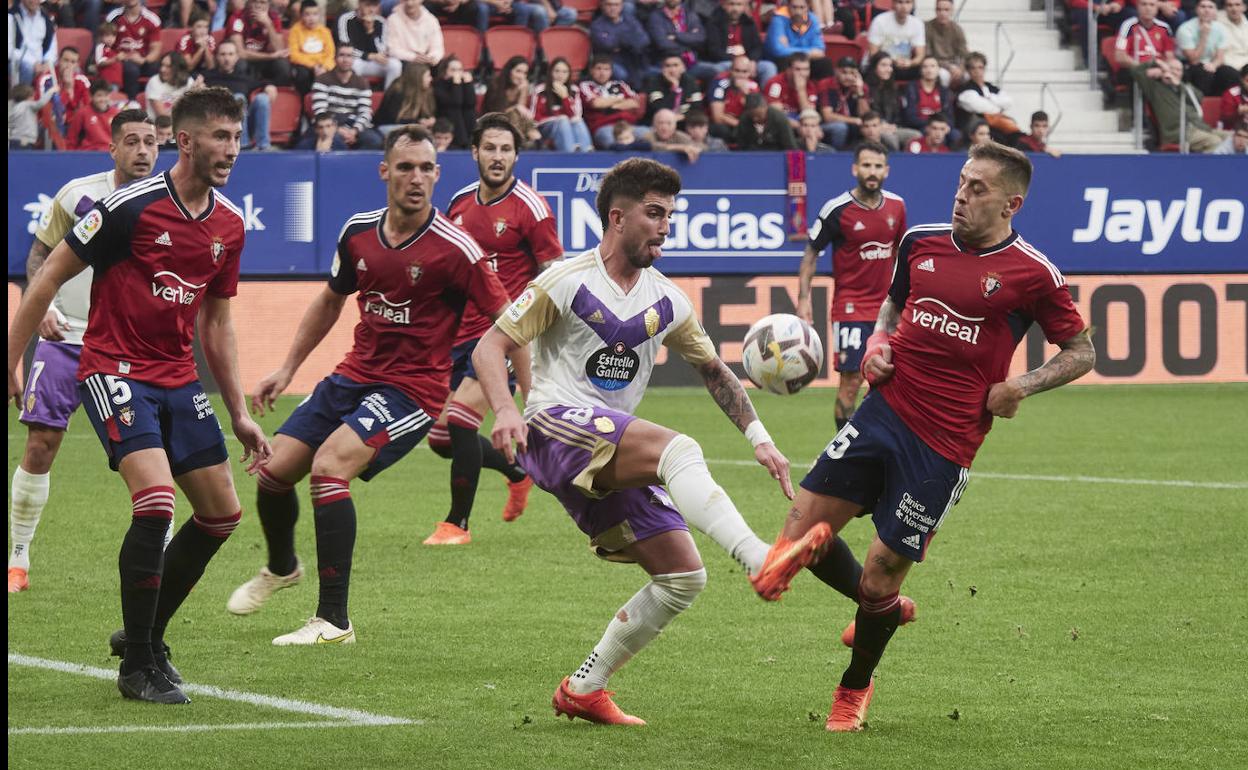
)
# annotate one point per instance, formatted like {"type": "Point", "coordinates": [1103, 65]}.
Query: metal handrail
{"type": "Point", "coordinates": [957, 14]}
{"type": "Point", "coordinates": [1045, 88]}
{"type": "Point", "coordinates": [1137, 117]}
{"type": "Point", "coordinates": [998, 31]}
{"type": "Point", "coordinates": [1094, 50]}
{"type": "Point", "coordinates": [1182, 120]}
{"type": "Point", "coordinates": [1050, 14]}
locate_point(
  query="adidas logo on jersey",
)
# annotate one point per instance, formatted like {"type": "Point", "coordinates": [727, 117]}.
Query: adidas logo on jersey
{"type": "Point", "coordinates": [595, 317]}
{"type": "Point", "coordinates": [360, 265]}
{"type": "Point", "coordinates": [912, 541]}
{"type": "Point", "coordinates": [928, 264]}
{"type": "Point", "coordinates": [859, 226]}
{"type": "Point", "coordinates": [163, 239]}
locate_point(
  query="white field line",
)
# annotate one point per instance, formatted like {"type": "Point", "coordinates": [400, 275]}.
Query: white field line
{"type": "Point", "coordinates": [343, 717]}
{"type": "Point", "coordinates": [1066, 479]}
{"type": "Point", "coordinates": [974, 473]}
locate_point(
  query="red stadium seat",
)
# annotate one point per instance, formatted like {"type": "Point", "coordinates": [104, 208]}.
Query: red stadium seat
{"type": "Point", "coordinates": [509, 40]}
{"type": "Point", "coordinates": [78, 38]}
{"type": "Point", "coordinates": [836, 46]}
{"type": "Point", "coordinates": [1211, 111]}
{"type": "Point", "coordinates": [464, 42]}
{"type": "Point", "coordinates": [307, 106]}
{"type": "Point", "coordinates": [377, 97]}
{"type": "Point", "coordinates": [572, 43]}
{"type": "Point", "coordinates": [284, 119]}
{"type": "Point", "coordinates": [169, 38]}
{"type": "Point", "coordinates": [1107, 53]}
{"type": "Point", "coordinates": [585, 9]}
{"type": "Point", "coordinates": [219, 35]}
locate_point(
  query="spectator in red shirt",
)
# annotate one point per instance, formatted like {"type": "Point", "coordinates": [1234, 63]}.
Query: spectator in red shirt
{"type": "Point", "coordinates": [934, 135]}
{"type": "Point", "coordinates": [727, 98]}
{"type": "Point", "coordinates": [1036, 140]}
{"type": "Point", "coordinates": [557, 110]}
{"type": "Point", "coordinates": [1233, 108]}
{"type": "Point", "coordinates": [257, 31]}
{"type": "Point", "coordinates": [606, 101]}
{"type": "Point", "coordinates": [107, 61]}
{"type": "Point", "coordinates": [845, 100]}
{"type": "Point", "coordinates": [1145, 38]}
{"type": "Point", "coordinates": [926, 96]}
{"type": "Point", "coordinates": [731, 32]}
{"type": "Point", "coordinates": [198, 46]}
{"type": "Point", "coordinates": [793, 91]}
{"type": "Point", "coordinates": [74, 87]}
{"type": "Point", "coordinates": [91, 127]}
{"type": "Point", "coordinates": [138, 44]}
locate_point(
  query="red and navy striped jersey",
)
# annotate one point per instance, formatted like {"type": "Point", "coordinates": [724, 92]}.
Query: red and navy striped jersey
{"type": "Point", "coordinates": [863, 242]}
{"type": "Point", "coordinates": [411, 297]}
{"type": "Point", "coordinates": [963, 314]}
{"type": "Point", "coordinates": [153, 263]}
{"type": "Point", "coordinates": [518, 235]}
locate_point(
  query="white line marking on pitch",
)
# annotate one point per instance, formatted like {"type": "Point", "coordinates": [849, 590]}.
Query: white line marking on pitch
{"type": "Point", "coordinates": [1067, 479]}
{"type": "Point", "coordinates": [343, 717]}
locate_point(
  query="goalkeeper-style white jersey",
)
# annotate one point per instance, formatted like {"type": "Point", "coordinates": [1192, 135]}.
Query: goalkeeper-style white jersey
{"type": "Point", "coordinates": [594, 344]}
{"type": "Point", "coordinates": [73, 300]}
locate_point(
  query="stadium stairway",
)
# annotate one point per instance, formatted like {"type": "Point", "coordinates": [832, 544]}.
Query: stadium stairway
{"type": "Point", "coordinates": [1040, 61]}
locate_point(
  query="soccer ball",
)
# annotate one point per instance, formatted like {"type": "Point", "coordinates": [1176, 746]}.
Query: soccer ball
{"type": "Point", "coordinates": [782, 354]}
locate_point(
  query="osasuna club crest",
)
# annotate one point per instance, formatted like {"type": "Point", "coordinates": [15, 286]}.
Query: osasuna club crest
{"type": "Point", "coordinates": [126, 415]}
{"type": "Point", "coordinates": [218, 248]}
{"type": "Point", "coordinates": [414, 271]}
{"type": "Point", "coordinates": [989, 284]}
{"type": "Point", "coordinates": [500, 227]}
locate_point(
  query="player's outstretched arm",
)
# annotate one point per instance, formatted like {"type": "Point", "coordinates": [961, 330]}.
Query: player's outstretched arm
{"type": "Point", "coordinates": [216, 335]}
{"type": "Point", "coordinates": [61, 265]}
{"type": "Point", "coordinates": [317, 320]}
{"type": "Point", "coordinates": [53, 324]}
{"type": "Point", "coordinates": [728, 392]}
{"type": "Point", "coordinates": [877, 360]}
{"type": "Point", "coordinates": [490, 361]}
{"type": "Point", "coordinates": [1074, 360]}
{"type": "Point", "coordinates": [805, 277]}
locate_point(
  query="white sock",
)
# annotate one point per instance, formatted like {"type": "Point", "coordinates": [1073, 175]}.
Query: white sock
{"type": "Point", "coordinates": [635, 625]}
{"type": "Point", "coordinates": [705, 505]}
{"type": "Point", "coordinates": [29, 495]}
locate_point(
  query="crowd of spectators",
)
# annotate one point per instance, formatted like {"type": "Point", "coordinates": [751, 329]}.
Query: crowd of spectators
{"type": "Point", "coordinates": [688, 76]}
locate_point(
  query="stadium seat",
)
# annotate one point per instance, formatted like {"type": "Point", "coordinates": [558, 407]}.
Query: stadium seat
{"type": "Point", "coordinates": [219, 35]}
{"type": "Point", "coordinates": [377, 97]}
{"type": "Point", "coordinates": [284, 119]}
{"type": "Point", "coordinates": [585, 9]}
{"type": "Point", "coordinates": [78, 38]}
{"type": "Point", "coordinates": [572, 43]}
{"type": "Point", "coordinates": [464, 42]}
{"type": "Point", "coordinates": [836, 46]}
{"type": "Point", "coordinates": [169, 38]}
{"type": "Point", "coordinates": [509, 40]}
{"type": "Point", "coordinates": [307, 106]}
{"type": "Point", "coordinates": [1107, 53]}
{"type": "Point", "coordinates": [1211, 111]}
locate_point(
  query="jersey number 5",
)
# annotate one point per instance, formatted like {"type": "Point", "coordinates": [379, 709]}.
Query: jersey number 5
{"type": "Point", "coordinates": [840, 443]}
{"type": "Point", "coordinates": [119, 388]}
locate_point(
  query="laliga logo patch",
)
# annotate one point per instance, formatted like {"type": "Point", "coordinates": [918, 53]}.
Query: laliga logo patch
{"type": "Point", "coordinates": [522, 304]}
{"type": "Point", "coordinates": [612, 368]}
{"type": "Point", "coordinates": [126, 415]}
{"type": "Point", "coordinates": [30, 403]}
{"type": "Point", "coordinates": [989, 284]}
{"type": "Point", "coordinates": [89, 225]}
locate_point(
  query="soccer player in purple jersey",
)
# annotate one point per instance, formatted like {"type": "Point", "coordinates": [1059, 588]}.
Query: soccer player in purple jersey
{"type": "Point", "coordinates": [963, 296]}
{"type": "Point", "coordinates": [166, 256]}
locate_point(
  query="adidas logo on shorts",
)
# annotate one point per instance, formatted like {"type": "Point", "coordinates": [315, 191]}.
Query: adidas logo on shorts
{"type": "Point", "coordinates": [928, 264]}
{"type": "Point", "coordinates": [912, 541]}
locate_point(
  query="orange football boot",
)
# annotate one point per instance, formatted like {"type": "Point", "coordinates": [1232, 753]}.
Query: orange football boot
{"type": "Point", "coordinates": [447, 533]}
{"type": "Point", "coordinates": [596, 706]}
{"type": "Point", "coordinates": [517, 498]}
{"type": "Point", "coordinates": [786, 558]}
{"type": "Point", "coordinates": [849, 709]}
{"type": "Point", "coordinates": [907, 615]}
{"type": "Point", "coordinates": [19, 580]}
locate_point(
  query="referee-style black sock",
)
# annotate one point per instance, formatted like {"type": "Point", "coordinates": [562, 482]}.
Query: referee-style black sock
{"type": "Point", "coordinates": [140, 564]}
{"type": "Point", "coordinates": [494, 460]}
{"type": "Point", "coordinates": [334, 513]}
{"type": "Point", "coordinates": [839, 569]}
{"type": "Point", "coordinates": [278, 508]}
{"type": "Point", "coordinates": [873, 629]}
{"type": "Point", "coordinates": [186, 558]}
{"type": "Point", "coordinates": [466, 458]}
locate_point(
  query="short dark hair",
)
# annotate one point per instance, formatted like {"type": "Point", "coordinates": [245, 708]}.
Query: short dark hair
{"type": "Point", "coordinates": [696, 118]}
{"type": "Point", "coordinates": [601, 58]}
{"type": "Point", "coordinates": [870, 147]}
{"type": "Point", "coordinates": [128, 116]}
{"type": "Point", "coordinates": [164, 121]}
{"type": "Point", "coordinates": [443, 126]}
{"type": "Point", "coordinates": [798, 56]}
{"type": "Point", "coordinates": [976, 56]}
{"type": "Point", "coordinates": [1243, 71]}
{"type": "Point", "coordinates": [20, 92]}
{"type": "Point", "coordinates": [631, 179]}
{"type": "Point", "coordinates": [324, 115]}
{"type": "Point", "coordinates": [306, 4]}
{"type": "Point", "coordinates": [414, 132]}
{"type": "Point", "coordinates": [99, 84]}
{"type": "Point", "coordinates": [939, 117]}
{"type": "Point", "coordinates": [1014, 165]}
{"type": "Point", "coordinates": [754, 100]}
{"type": "Point", "coordinates": [70, 48]}
{"type": "Point", "coordinates": [200, 104]}
{"type": "Point", "coordinates": [870, 115]}
{"type": "Point", "coordinates": [1039, 115]}
{"type": "Point", "coordinates": [496, 121]}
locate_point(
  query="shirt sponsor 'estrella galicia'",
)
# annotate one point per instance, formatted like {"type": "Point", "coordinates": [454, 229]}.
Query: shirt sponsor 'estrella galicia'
{"type": "Point", "coordinates": [615, 366]}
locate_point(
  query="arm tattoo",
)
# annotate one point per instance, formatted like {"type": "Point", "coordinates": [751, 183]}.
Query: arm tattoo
{"type": "Point", "coordinates": [1074, 360]}
{"type": "Point", "coordinates": [727, 391]}
{"type": "Point", "coordinates": [39, 252]}
{"type": "Point", "coordinates": [890, 317]}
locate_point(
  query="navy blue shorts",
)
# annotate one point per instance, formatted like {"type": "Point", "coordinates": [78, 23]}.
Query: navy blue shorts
{"type": "Point", "coordinates": [461, 365]}
{"type": "Point", "coordinates": [129, 415]}
{"type": "Point", "coordinates": [381, 415]}
{"type": "Point", "coordinates": [849, 342]}
{"type": "Point", "coordinates": [878, 462]}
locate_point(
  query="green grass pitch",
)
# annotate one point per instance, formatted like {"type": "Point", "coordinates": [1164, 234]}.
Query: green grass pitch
{"type": "Point", "coordinates": [1062, 623]}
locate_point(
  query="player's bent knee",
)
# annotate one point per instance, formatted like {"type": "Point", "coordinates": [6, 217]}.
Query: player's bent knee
{"type": "Point", "coordinates": [681, 453]}
{"type": "Point", "coordinates": [677, 590]}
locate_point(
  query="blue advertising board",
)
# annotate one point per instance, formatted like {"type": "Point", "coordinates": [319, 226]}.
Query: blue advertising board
{"type": "Point", "coordinates": [1089, 214]}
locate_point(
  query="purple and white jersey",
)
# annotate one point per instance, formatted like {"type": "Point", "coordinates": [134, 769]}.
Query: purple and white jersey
{"type": "Point", "coordinates": [593, 343]}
